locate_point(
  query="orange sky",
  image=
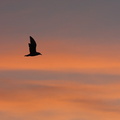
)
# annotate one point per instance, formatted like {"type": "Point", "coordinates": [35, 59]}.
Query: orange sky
{"type": "Point", "coordinates": [61, 57]}
{"type": "Point", "coordinates": [92, 97]}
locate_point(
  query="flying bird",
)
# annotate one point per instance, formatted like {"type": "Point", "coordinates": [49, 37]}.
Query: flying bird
{"type": "Point", "coordinates": [32, 48]}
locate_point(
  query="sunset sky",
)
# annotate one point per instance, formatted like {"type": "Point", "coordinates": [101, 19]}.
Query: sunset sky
{"type": "Point", "coordinates": [78, 75]}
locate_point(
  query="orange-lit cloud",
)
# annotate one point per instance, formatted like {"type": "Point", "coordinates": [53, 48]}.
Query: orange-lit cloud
{"type": "Point", "coordinates": [55, 99]}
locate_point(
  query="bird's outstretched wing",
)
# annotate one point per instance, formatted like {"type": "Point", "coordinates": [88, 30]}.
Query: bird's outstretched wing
{"type": "Point", "coordinates": [32, 46]}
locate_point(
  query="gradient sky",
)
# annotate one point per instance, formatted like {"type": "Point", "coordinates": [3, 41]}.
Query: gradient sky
{"type": "Point", "coordinates": [78, 75]}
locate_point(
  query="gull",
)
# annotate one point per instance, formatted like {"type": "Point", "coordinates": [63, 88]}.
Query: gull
{"type": "Point", "coordinates": [32, 48]}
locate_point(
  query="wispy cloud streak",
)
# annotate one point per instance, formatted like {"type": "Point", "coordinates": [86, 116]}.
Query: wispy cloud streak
{"type": "Point", "coordinates": [58, 98]}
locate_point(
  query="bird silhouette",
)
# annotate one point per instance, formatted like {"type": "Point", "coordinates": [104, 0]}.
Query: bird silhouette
{"type": "Point", "coordinates": [32, 48]}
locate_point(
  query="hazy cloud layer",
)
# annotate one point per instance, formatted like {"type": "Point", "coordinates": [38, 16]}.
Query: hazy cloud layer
{"type": "Point", "coordinates": [43, 99]}
{"type": "Point", "coordinates": [94, 78]}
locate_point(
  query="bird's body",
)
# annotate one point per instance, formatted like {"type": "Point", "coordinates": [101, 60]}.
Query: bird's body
{"type": "Point", "coordinates": [32, 48]}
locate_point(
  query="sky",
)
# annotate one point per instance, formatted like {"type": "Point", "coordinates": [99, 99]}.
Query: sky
{"type": "Point", "coordinates": [78, 75]}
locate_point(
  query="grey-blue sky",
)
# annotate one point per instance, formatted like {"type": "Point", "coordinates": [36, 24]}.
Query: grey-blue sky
{"type": "Point", "coordinates": [97, 20]}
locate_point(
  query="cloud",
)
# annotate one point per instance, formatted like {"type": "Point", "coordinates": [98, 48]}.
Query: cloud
{"type": "Point", "coordinates": [100, 105]}
{"type": "Point", "coordinates": [27, 94]}
{"type": "Point", "coordinates": [86, 78]}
